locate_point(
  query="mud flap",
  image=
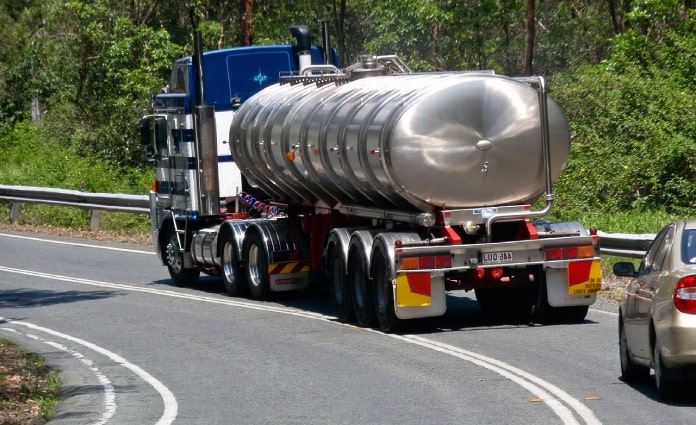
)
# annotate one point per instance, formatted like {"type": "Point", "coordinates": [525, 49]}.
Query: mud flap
{"type": "Point", "coordinates": [291, 276]}
{"type": "Point", "coordinates": [419, 295]}
{"type": "Point", "coordinates": [574, 285]}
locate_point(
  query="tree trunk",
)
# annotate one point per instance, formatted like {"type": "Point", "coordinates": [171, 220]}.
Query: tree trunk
{"type": "Point", "coordinates": [614, 18]}
{"type": "Point", "coordinates": [339, 22]}
{"type": "Point", "coordinates": [529, 37]}
{"type": "Point", "coordinates": [246, 36]}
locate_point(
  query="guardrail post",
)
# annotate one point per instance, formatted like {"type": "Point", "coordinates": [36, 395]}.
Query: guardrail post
{"type": "Point", "coordinates": [14, 211]}
{"type": "Point", "coordinates": [94, 221]}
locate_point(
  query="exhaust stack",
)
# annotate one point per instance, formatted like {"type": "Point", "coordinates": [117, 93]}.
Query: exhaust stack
{"type": "Point", "coordinates": [206, 138]}
{"type": "Point", "coordinates": [304, 44]}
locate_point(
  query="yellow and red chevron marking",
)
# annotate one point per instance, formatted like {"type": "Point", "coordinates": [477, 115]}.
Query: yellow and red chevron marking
{"type": "Point", "coordinates": [291, 267]}
{"type": "Point", "coordinates": [413, 289]}
{"type": "Point", "coordinates": [584, 277]}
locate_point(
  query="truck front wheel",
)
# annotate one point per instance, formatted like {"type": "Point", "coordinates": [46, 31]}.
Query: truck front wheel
{"type": "Point", "coordinates": [174, 258]}
{"type": "Point", "coordinates": [256, 267]}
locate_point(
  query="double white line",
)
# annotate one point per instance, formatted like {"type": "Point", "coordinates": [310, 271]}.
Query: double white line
{"type": "Point", "coordinates": [558, 400]}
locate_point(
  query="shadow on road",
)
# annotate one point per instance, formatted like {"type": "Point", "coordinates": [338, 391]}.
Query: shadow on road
{"type": "Point", "coordinates": [25, 298]}
{"type": "Point", "coordinates": [682, 397]}
{"type": "Point", "coordinates": [463, 311]}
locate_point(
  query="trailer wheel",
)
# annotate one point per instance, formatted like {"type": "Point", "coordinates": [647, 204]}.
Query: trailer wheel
{"type": "Point", "coordinates": [340, 290]}
{"type": "Point", "coordinates": [359, 282]}
{"type": "Point", "coordinates": [384, 294]}
{"type": "Point", "coordinates": [256, 267]}
{"type": "Point", "coordinates": [232, 275]}
{"type": "Point", "coordinates": [175, 261]}
{"type": "Point", "coordinates": [505, 303]}
{"type": "Point", "coordinates": [545, 314]}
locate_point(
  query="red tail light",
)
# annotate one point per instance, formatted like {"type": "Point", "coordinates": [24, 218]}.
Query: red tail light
{"type": "Point", "coordinates": [569, 252]}
{"type": "Point", "coordinates": [422, 263]}
{"type": "Point", "coordinates": [685, 295]}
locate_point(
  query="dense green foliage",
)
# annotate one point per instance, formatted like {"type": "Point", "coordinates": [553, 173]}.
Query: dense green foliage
{"type": "Point", "coordinates": [622, 71]}
{"type": "Point", "coordinates": [633, 118]}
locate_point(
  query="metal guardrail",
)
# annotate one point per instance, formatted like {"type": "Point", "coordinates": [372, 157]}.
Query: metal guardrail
{"type": "Point", "coordinates": [625, 244]}
{"type": "Point", "coordinates": [94, 202]}
{"type": "Point", "coordinates": [617, 244]}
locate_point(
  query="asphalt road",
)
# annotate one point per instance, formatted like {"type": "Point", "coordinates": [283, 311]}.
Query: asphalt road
{"type": "Point", "coordinates": [134, 350]}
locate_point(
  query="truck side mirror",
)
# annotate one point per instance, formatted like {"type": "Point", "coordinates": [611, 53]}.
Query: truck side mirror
{"type": "Point", "coordinates": [153, 136]}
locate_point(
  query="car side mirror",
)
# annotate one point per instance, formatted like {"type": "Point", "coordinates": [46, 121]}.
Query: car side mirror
{"type": "Point", "coordinates": [624, 268]}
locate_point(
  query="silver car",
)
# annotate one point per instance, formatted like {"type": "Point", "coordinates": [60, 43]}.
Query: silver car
{"type": "Point", "coordinates": [657, 316]}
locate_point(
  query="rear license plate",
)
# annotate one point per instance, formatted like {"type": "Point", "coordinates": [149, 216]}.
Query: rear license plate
{"type": "Point", "coordinates": [500, 257]}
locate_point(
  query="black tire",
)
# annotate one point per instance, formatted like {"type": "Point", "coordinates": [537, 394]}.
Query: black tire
{"type": "Point", "coordinates": [573, 314]}
{"type": "Point", "coordinates": [505, 303]}
{"type": "Point", "coordinates": [384, 294]}
{"type": "Point", "coordinates": [630, 371]}
{"type": "Point", "coordinates": [545, 314]}
{"type": "Point", "coordinates": [339, 288]}
{"type": "Point", "coordinates": [361, 292]}
{"type": "Point", "coordinates": [489, 300]}
{"type": "Point", "coordinates": [666, 387]}
{"type": "Point", "coordinates": [256, 267]}
{"type": "Point", "coordinates": [174, 259]}
{"type": "Point", "coordinates": [232, 275]}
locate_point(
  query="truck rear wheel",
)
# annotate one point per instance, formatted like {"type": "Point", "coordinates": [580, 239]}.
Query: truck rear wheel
{"type": "Point", "coordinates": [232, 275]}
{"type": "Point", "coordinates": [256, 267]}
{"type": "Point", "coordinates": [361, 292]}
{"type": "Point", "coordinates": [384, 294]}
{"type": "Point", "coordinates": [174, 258]}
{"type": "Point", "coordinates": [340, 290]}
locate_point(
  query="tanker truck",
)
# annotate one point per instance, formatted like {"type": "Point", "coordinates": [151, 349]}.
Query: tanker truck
{"type": "Point", "coordinates": [277, 169]}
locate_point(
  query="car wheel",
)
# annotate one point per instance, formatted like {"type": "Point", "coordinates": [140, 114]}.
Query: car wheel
{"type": "Point", "coordinates": [665, 386]}
{"type": "Point", "coordinates": [630, 371]}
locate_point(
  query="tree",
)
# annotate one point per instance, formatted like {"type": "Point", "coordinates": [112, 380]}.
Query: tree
{"type": "Point", "coordinates": [529, 37]}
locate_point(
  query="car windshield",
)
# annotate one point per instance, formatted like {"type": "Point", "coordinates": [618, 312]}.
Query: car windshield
{"type": "Point", "coordinates": [688, 251]}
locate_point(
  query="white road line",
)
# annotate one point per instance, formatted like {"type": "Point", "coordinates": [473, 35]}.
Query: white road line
{"type": "Point", "coordinates": [109, 394]}
{"type": "Point", "coordinates": [112, 248]}
{"type": "Point", "coordinates": [171, 406]}
{"type": "Point", "coordinates": [607, 313]}
{"type": "Point", "coordinates": [551, 394]}
{"type": "Point", "coordinates": [534, 384]}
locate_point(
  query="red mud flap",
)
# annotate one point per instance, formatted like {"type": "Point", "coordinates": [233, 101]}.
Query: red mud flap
{"type": "Point", "coordinates": [419, 295]}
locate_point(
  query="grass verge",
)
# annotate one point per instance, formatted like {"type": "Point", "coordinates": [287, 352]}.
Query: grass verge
{"type": "Point", "coordinates": [28, 388]}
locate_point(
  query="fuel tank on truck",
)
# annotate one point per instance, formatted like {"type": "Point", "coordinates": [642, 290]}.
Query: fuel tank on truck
{"type": "Point", "coordinates": [406, 141]}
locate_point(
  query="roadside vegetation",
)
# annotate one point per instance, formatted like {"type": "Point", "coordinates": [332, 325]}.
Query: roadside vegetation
{"type": "Point", "coordinates": [75, 78]}
{"type": "Point", "coordinates": [28, 387]}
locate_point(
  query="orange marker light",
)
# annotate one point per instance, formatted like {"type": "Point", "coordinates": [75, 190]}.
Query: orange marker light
{"type": "Point", "coordinates": [409, 263]}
